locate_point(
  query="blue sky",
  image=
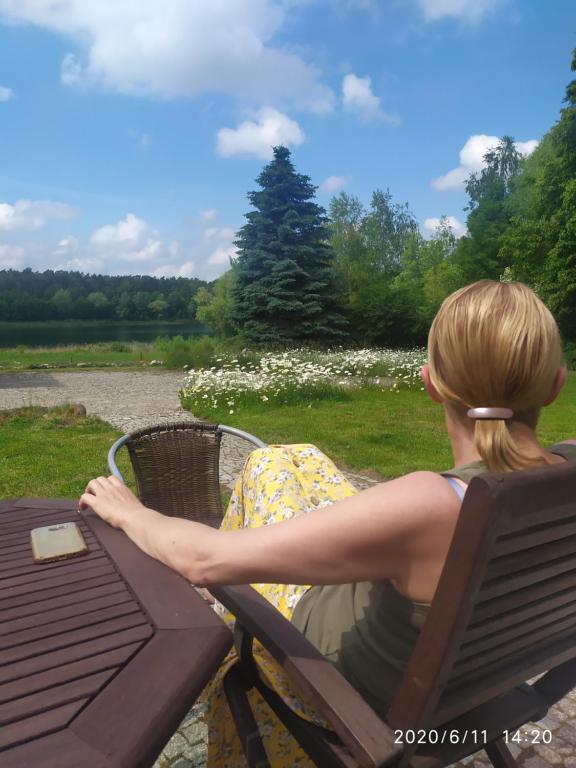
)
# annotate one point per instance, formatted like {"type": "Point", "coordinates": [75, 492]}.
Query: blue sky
{"type": "Point", "coordinates": [131, 132]}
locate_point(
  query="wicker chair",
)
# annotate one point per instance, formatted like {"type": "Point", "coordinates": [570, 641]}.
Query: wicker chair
{"type": "Point", "coordinates": [177, 467]}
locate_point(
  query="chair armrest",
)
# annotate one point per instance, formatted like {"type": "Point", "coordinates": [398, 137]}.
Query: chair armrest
{"type": "Point", "coordinates": [244, 435]}
{"type": "Point", "coordinates": [370, 740]}
{"type": "Point", "coordinates": [112, 456]}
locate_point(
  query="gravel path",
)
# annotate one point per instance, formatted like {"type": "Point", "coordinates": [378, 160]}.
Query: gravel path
{"type": "Point", "coordinates": [133, 399]}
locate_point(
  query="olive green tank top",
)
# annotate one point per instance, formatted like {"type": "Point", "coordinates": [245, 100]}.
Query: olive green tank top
{"type": "Point", "coordinates": [368, 630]}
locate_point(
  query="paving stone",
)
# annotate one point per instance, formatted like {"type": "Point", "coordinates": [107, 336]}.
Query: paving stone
{"type": "Point", "coordinates": [567, 733]}
{"type": "Point", "coordinates": [176, 747]}
{"type": "Point", "coordinates": [182, 762]}
{"type": "Point", "coordinates": [549, 754]}
{"type": "Point", "coordinates": [535, 762]}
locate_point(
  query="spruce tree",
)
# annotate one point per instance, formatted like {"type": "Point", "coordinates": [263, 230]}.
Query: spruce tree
{"type": "Point", "coordinates": [285, 287]}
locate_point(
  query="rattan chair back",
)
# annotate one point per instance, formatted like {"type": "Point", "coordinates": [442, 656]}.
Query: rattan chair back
{"type": "Point", "coordinates": [177, 469]}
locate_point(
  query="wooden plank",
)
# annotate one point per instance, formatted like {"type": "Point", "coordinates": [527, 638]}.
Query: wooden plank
{"type": "Point", "coordinates": [536, 536]}
{"type": "Point", "coordinates": [492, 639]}
{"type": "Point", "coordinates": [58, 696]}
{"type": "Point", "coordinates": [532, 609]}
{"type": "Point", "coordinates": [26, 566]}
{"type": "Point", "coordinates": [25, 686]}
{"type": "Point", "coordinates": [69, 654]}
{"type": "Point", "coordinates": [26, 524]}
{"type": "Point", "coordinates": [528, 578]}
{"type": "Point", "coordinates": [33, 727]}
{"type": "Point", "coordinates": [67, 599]}
{"type": "Point", "coordinates": [168, 598]}
{"type": "Point", "coordinates": [90, 571]}
{"type": "Point", "coordinates": [34, 502]}
{"type": "Point", "coordinates": [519, 561]}
{"type": "Point", "coordinates": [459, 699]}
{"type": "Point", "coordinates": [70, 626]}
{"type": "Point", "coordinates": [514, 649]}
{"type": "Point", "coordinates": [14, 514]}
{"type": "Point", "coordinates": [511, 600]}
{"type": "Point", "coordinates": [541, 511]}
{"type": "Point", "coordinates": [55, 615]}
{"type": "Point", "coordinates": [156, 694]}
{"type": "Point", "coordinates": [47, 751]}
{"type": "Point", "coordinates": [42, 572]}
{"type": "Point", "coordinates": [28, 601]}
{"type": "Point", "coordinates": [73, 638]}
{"type": "Point", "coordinates": [32, 571]}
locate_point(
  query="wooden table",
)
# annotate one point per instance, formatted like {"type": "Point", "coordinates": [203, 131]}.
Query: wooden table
{"type": "Point", "coordinates": [100, 656]}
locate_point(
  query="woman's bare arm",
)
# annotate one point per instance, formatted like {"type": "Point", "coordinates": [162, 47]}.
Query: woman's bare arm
{"type": "Point", "coordinates": [376, 534]}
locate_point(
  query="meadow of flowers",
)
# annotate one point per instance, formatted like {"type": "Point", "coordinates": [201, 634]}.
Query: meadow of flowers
{"type": "Point", "coordinates": [299, 376]}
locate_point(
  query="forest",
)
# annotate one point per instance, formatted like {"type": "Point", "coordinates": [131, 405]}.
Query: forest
{"type": "Point", "coordinates": [60, 295]}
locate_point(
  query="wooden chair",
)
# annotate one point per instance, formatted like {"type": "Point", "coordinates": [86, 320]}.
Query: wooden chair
{"type": "Point", "coordinates": [504, 612]}
{"type": "Point", "coordinates": [177, 467]}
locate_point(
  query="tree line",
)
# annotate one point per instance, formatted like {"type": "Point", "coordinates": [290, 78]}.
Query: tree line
{"type": "Point", "coordinates": [367, 274]}
{"type": "Point", "coordinates": [61, 295]}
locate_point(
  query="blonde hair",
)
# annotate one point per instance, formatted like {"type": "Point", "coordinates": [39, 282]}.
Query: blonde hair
{"type": "Point", "coordinates": [495, 344]}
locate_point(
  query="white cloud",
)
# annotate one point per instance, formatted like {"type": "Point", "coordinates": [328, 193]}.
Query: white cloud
{"type": "Point", "coordinates": [221, 256]}
{"type": "Point", "coordinates": [468, 11]}
{"type": "Point", "coordinates": [455, 224]}
{"type": "Point", "coordinates": [222, 240]}
{"type": "Point", "coordinates": [472, 160]}
{"type": "Point", "coordinates": [187, 269]}
{"type": "Point", "coordinates": [333, 184]}
{"type": "Point", "coordinates": [257, 138]}
{"type": "Point", "coordinates": [129, 231]}
{"type": "Point", "coordinates": [208, 215]}
{"type": "Point", "coordinates": [66, 246]}
{"type": "Point", "coordinates": [219, 233]}
{"type": "Point", "coordinates": [87, 265]}
{"type": "Point", "coordinates": [131, 240]}
{"type": "Point", "coordinates": [358, 99]}
{"type": "Point", "coordinates": [32, 214]}
{"type": "Point", "coordinates": [11, 256]}
{"type": "Point", "coordinates": [179, 49]}
{"type": "Point", "coordinates": [6, 93]}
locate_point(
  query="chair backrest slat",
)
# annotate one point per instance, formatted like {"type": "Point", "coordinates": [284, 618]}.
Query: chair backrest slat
{"type": "Point", "coordinates": [505, 607]}
{"type": "Point", "coordinates": [177, 469]}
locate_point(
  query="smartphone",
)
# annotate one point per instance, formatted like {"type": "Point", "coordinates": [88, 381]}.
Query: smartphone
{"type": "Point", "coordinates": [57, 542]}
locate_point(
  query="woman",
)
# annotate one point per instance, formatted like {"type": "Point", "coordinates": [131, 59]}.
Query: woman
{"type": "Point", "coordinates": [374, 557]}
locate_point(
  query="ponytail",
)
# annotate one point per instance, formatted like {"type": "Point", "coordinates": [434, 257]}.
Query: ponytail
{"type": "Point", "coordinates": [498, 449]}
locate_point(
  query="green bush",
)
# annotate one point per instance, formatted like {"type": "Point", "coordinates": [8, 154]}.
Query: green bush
{"type": "Point", "coordinates": [178, 352]}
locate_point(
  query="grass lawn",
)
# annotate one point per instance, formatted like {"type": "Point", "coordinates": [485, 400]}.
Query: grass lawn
{"type": "Point", "coordinates": [89, 355]}
{"type": "Point", "coordinates": [51, 452]}
{"type": "Point", "coordinates": [382, 432]}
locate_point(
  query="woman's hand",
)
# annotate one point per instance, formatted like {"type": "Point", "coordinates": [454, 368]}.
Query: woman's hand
{"type": "Point", "coordinates": [113, 501]}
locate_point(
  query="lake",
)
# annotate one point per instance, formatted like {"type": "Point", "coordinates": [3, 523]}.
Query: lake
{"type": "Point", "coordinates": [56, 334]}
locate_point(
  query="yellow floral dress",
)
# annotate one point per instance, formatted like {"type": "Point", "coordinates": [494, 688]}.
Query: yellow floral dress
{"type": "Point", "coordinates": [277, 483]}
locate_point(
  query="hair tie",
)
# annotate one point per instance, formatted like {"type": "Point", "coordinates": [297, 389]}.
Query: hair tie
{"type": "Point", "coordinates": [490, 413]}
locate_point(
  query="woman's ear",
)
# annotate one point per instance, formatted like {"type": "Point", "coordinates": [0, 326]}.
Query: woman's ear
{"type": "Point", "coordinates": [558, 383]}
{"type": "Point", "coordinates": [430, 388]}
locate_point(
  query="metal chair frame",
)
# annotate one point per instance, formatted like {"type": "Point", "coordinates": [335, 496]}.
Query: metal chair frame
{"type": "Point", "coordinates": [177, 467]}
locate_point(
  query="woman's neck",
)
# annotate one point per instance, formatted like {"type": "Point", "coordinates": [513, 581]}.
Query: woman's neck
{"type": "Point", "coordinates": [461, 434]}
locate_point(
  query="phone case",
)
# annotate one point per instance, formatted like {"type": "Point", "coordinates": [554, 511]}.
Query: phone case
{"type": "Point", "coordinates": [57, 542]}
